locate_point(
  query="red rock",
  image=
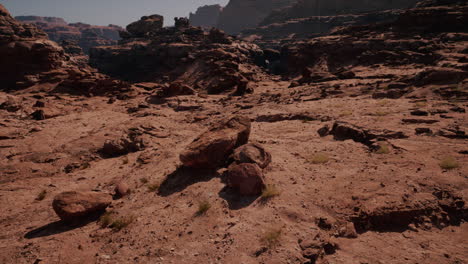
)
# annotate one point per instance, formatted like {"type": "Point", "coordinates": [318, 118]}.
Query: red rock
{"type": "Point", "coordinates": [245, 178]}
{"type": "Point", "coordinates": [252, 153]}
{"type": "Point", "coordinates": [72, 206]}
{"type": "Point", "coordinates": [121, 189]}
{"type": "Point", "coordinates": [212, 148]}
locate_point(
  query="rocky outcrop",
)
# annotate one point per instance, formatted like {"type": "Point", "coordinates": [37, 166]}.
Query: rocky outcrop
{"type": "Point", "coordinates": [30, 58]}
{"type": "Point", "coordinates": [87, 36]}
{"type": "Point", "coordinates": [389, 44]}
{"type": "Point", "coordinates": [310, 8]}
{"type": "Point", "coordinates": [242, 14]}
{"type": "Point", "coordinates": [206, 16]}
{"type": "Point", "coordinates": [211, 62]}
{"type": "Point", "coordinates": [25, 51]}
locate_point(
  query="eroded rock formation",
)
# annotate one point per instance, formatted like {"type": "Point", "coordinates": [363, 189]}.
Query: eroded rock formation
{"type": "Point", "coordinates": [211, 61]}
{"type": "Point", "coordinates": [87, 36]}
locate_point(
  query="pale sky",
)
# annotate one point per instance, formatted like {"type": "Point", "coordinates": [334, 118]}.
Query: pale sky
{"type": "Point", "coordinates": [104, 12]}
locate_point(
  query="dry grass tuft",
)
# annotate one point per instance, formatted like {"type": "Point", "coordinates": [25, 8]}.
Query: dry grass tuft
{"type": "Point", "coordinates": [269, 192]}
{"type": "Point", "coordinates": [380, 113]}
{"type": "Point", "coordinates": [383, 149]}
{"type": "Point", "coordinates": [109, 220]}
{"type": "Point", "coordinates": [319, 158]}
{"type": "Point", "coordinates": [41, 196]}
{"type": "Point", "coordinates": [345, 113]}
{"type": "Point", "coordinates": [449, 163]}
{"type": "Point", "coordinates": [144, 180]}
{"type": "Point", "coordinates": [203, 207]}
{"type": "Point", "coordinates": [154, 187]}
{"type": "Point", "coordinates": [271, 238]}
{"type": "Point", "coordinates": [420, 104]}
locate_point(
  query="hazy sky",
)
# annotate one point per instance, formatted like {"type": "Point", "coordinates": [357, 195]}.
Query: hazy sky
{"type": "Point", "coordinates": [104, 12]}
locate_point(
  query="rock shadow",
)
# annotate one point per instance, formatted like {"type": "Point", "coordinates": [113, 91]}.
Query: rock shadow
{"type": "Point", "coordinates": [156, 100]}
{"type": "Point", "coordinates": [59, 227]}
{"type": "Point", "coordinates": [183, 177]}
{"type": "Point", "coordinates": [234, 200]}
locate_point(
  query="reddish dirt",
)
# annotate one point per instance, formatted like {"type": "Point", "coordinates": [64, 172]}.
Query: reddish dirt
{"type": "Point", "coordinates": [403, 184]}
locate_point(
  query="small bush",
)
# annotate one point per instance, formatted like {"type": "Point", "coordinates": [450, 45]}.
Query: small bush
{"type": "Point", "coordinates": [383, 149]}
{"type": "Point", "coordinates": [269, 192]}
{"type": "Point", "coordinates": [271, 238]}
{"type": "Point", "coordinates": [346, 113]}
{"type": "Point", "coordinates": [121, 223]}
{"type": "Point", "coordinates": [144, 180]}
{"type": "Point", "coordinates": [449, 163]}
{"type": "Point", "coordinates": [383, 102]}
{"type": "Point", "coordinates": [109, 220]}
{"type": "Point", "coordinates": [380, 113]}
{"type": "Point", "coordinates": [105, 220]}
{"type": "Point", "coordinates": [319, 158]}
{"type": "Point", "coordinates": [41, 196]}
{"type": "Point", "coordinates": [153, 187]}
{"type": "Point", "coordinates": [203, 207]}
{"type": "Point", "coordinates": [420, 104]}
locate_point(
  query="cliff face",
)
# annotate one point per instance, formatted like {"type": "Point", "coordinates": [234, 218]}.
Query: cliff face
{"type": "Point", "coordinates": [86, 36]}
{"type": "Point", "coordinates": [309, 8]}
{"type": "Point", "coordinates": [313, 18]}
{"type": "Point", "coordinates": [206, 16]}
{"type": "Point", "coordinates": [242, 14]}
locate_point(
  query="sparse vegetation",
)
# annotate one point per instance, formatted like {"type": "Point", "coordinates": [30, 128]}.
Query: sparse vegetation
{"type": "Point", "coordinates": [271, 238]}
{"type": "Point", "coordinates": [41, 196]}
{"type": "Point", "coordinates": [144, 180]}
{"type": "Point", "coordinates": [383, 102]}
{"type": "Point", "coordinates": [109, 220]}
{"type": "Point", "coordinates": [346, 113]}
{"type": "Point", "coordinates": [121, 223]}
{"type": "Point", "coordinates": [380, 113]}
{"type": "Point", "coordinates": [319, 158]}
{"type": "Point", "coordinates": [154, 187]}
{"type": "Point", "coordinates": [269, 192]}
{"type": "Point", "coordinates": [449, 163]}
{"type": "Point", "coordinates": [383, 149]}
{"type": "Point", "coordinates": [420, 104]}
{"type": "Point", "coordinates": [203, 207]}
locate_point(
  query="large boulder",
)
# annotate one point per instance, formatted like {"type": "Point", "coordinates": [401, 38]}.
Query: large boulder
{"type": "Point", "coordinates": [212, 148]}
{"type": "Point", "coordinates": [73, 206]}
{"type": "Point", "coordinates": [252, 153]}
{"type": "Point", "coordinates": [245, 178]}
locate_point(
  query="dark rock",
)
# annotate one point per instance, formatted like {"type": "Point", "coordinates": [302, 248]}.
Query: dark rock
{"type": "Point", "coordinates": [423, 130]}
{"type": "Point", "coordinates": [38, 115]}
{"type": "Point", "coordinates": [419, 113]}
{"type": "Point", "coordinates": [324, 131]}
{"type": "Point", "coordinates": [246, 178]}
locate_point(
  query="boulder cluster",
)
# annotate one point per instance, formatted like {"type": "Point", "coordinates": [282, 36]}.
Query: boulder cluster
{"type": "Point", "coordinates": [209, 62]}
{"type": "Point", "coordinates": [226, 142]}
